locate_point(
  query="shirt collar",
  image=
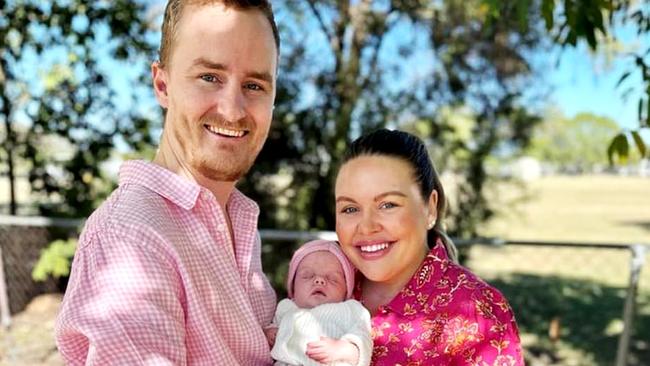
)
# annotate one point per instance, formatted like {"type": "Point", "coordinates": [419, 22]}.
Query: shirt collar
{"type": "Point", "coordinates": [177, 189]}
{"type": "Point", "coordinates": [238, 201]}
{"type": "Point", "coordinates": [415, 294]}
{"type": "Point", "coordinates": [435, 264]}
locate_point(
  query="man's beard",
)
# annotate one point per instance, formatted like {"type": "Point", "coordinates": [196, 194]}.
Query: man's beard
{"type": "Point", "coordinates": [224, 171]}
{"type": "Point", "coordinates": [226, 167]}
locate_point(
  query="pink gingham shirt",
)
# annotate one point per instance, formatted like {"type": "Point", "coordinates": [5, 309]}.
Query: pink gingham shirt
{"type": "Point", "coordinates": [155, 280]}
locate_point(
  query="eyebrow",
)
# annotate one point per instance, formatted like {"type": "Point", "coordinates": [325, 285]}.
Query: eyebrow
{"type": "Point", "coordinates": [344, 198]}
{"type": "Point", "coordinates": [377, 198]}
{"type": "Point", "coordinates": [209, 64]}
{"type": "Point", "coordinates": [202, 62]}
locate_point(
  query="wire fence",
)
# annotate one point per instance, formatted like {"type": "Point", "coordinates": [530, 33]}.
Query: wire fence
{"type": "Point", "coordinates": [577, 295]}
{"type": "Point", "coordinates": [575, 303]}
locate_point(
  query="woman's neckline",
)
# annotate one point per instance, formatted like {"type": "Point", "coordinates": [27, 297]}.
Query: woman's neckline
{"type": "Point", "coordinates": [375, 303]}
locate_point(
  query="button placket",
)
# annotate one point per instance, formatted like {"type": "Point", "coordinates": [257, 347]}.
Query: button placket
{"type": "Point", "coordinates": [216, 225]}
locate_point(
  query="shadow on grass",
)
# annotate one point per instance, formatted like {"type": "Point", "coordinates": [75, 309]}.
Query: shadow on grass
{"type": "Point", "coordinates": [642, 224]}
{"type": "Point", "coordinates": [589, 314]}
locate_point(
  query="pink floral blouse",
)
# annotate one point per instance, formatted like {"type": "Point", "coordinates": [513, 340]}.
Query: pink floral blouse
{"type": "Point", "coordinates": [445, 315]}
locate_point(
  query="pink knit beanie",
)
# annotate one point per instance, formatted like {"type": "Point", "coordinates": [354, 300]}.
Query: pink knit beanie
{"type": "Point", "coordinates": [316, 246]}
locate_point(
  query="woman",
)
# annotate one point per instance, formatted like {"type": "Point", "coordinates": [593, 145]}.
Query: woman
{"type": "Point", "coordinates": [426, 309]}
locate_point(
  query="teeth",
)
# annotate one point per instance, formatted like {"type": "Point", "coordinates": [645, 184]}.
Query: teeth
{"type": "Point", "coordinates": [374, 247]}
{"type": "Point", "coordinates": [226, 132]}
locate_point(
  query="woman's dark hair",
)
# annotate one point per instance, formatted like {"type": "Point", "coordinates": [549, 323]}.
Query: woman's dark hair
{"type": "Point", "coordinates": [409, 148]}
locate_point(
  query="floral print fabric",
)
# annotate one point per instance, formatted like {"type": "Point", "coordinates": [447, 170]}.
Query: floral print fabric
{"type": "Point", "coordinates": [445, 315]}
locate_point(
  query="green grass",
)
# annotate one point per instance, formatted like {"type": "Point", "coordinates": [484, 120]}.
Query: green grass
{"type": "Point", "coordinates": [583, 208]}
{"type": "Point", "coordinates": [584, 288]}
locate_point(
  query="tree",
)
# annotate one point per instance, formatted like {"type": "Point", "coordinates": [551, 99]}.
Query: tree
{"type": "Point", "coordinates": [55, 86]}
{"type": "Point", "coordinates": [575, 144]}
{"type": "Point", "coordinates": [592, 21]}
{"type": "Point", "coordinates": [340, 77]}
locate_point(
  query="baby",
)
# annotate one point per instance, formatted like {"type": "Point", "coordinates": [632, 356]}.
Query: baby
{"type": "Point", "coordinates": [318, 323]}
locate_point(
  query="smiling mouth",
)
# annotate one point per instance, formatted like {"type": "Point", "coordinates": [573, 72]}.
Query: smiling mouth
{"type": "Point", "coordinates": [374, 248]}
{"type": "Point", "coordinates": [225, 132]}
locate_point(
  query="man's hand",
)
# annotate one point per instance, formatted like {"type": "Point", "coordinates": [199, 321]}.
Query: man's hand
{"type": "Point", "coordinates": [271, 333]}
{"type": "Point", "coordinates": [328, 350]}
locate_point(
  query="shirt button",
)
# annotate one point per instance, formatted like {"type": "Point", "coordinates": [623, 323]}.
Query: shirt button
{"type": "Point", "coordinates": [221, 228]}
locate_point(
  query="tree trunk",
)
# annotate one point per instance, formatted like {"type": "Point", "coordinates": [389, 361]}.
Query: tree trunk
{"type": "Point", "coordinates": [9, 143]}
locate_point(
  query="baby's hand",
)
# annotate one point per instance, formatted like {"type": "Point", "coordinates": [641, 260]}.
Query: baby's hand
{"type": "Point", "coordinates": [328, 350]}
{"type": "Point", "coordinates": [271, 333]}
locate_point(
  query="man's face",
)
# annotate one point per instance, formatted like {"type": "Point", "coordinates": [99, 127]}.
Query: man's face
{"type": "Point", "coordinates": [218, 89]}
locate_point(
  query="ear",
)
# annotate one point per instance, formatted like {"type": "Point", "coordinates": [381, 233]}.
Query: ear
{"type": "Point", "coordinates": [432, 209]}
{"type": "Point", "coordinates": [159, 76]}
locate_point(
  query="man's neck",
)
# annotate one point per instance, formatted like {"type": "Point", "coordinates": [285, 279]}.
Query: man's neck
{"type": "Point", "coordinates": [168, 159]}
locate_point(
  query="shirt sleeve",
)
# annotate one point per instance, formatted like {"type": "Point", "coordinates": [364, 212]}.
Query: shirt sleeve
{"type": "Point", "coordinates": [261, 294]}
{"type": "Point", "coordinates": [498, 342]}
{"type": "Point", "coordinates": [123, 304]}
{"type": "Point", "coordinates": [359, 332]}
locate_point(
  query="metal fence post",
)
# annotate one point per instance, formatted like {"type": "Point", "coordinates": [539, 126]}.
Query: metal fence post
{"type": "Point", "coordinates": [5, 316]}
{"type": "Point", "coordinates": [636, 263]}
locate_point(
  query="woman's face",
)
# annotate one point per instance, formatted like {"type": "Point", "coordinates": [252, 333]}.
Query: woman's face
{"type": "Point", "coordinates": [381, 217]}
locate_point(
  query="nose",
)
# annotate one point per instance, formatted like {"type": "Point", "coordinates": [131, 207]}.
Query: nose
{"type": "Point", "coordinates": [369, 223]}
{"type": "Point", "coordinates": [231, 104]}
{"type": "Point", "coordinates": [318, 280]}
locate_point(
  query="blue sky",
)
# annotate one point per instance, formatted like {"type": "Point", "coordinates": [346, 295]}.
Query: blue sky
{"type": "Point", "coordinates": [584, 82]}
{"type": "Point", "coordinates": [580, 86]}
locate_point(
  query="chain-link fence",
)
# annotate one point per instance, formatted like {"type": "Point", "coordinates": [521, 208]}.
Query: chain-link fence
{"type": "Point", "coordinates": [576, 303]}
{"type": "Point", "coordinates": [569, 298]}
{"type": "Point", "coordinates": [21, 242]}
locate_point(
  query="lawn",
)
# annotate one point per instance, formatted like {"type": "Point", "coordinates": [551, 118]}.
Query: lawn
{"type": "Point", "coordinates": [599, 208]}
{"type": "Point", "coordinates": [581, 290]}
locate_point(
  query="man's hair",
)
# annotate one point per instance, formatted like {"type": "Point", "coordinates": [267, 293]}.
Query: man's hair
{"type": "Point", "coordinates": [174, 12]}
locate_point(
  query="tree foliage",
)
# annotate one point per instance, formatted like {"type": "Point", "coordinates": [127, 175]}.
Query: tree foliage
{"type": "Point", "coordinates": [347, 67]}
{"type": "Point", "coordinates": [592, 21]}
{"type": "Point", "coordinates": [60, 112]}
{"type": "Point", "coordinates": [573, 144]}
{"type": "Point", "coordinates": [352, 66]}
{"type": "Point", "coordinates": [55, 260]}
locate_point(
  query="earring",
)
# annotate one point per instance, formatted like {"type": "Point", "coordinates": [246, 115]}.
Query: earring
{"type": "Point", "coordinates": [431, 224]}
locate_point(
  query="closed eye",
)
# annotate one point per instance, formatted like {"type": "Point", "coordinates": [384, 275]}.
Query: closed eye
{"type": "Point", "coordinates": [333, 279]}
{"type": "Point", "coordinates": [306, 275]}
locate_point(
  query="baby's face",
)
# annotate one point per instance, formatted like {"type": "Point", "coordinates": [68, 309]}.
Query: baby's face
{"type": "Point", "coordinates": [319, 280]}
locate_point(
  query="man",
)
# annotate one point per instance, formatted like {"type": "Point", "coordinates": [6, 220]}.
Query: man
{"type": "Point", "coordinates": [168, 270]}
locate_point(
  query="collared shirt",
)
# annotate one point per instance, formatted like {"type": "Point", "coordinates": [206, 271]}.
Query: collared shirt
{"type": "Point", "coordinates": [445, 315]}
{"type": "Point", "coordinates": [156, 279]}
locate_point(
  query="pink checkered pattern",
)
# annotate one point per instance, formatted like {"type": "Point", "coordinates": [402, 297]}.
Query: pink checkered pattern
{"type": "Point", "coordinates": [155, 280]}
